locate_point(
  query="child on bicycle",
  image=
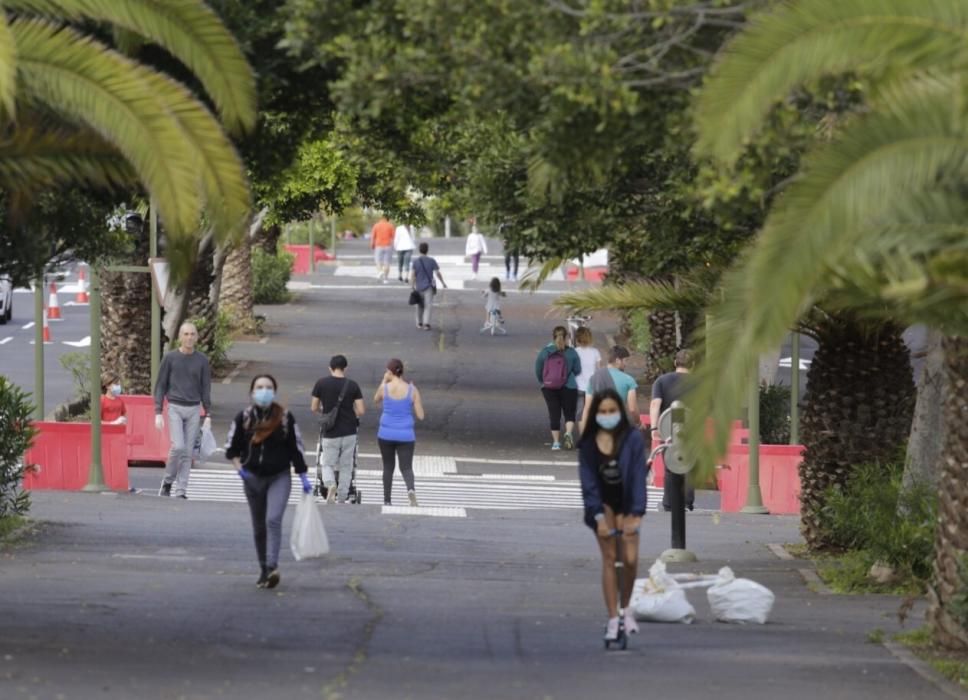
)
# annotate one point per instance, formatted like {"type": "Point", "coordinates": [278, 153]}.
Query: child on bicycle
{"type": "Point", "coordinates": [492, 302]}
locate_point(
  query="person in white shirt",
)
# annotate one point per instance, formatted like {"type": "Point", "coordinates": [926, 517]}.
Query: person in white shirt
{"type": "Point", "coordinates": [476, 246]}
{"type": "Point", "coordinates": [591, 360]}
{"type": "Point", "coordinates": [404, 246]}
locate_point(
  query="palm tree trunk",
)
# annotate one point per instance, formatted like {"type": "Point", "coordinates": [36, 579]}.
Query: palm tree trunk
{"type": "Point", "coordinates": [860, 397]}
{"type": "Point", "coordinates": [235, 295]}
{"type": "Point", "coordinates": [927, 430]}
{"type": "Point", "coordinates": [663, 331]}
{"type": "Point", "coordinates": [948, 613]}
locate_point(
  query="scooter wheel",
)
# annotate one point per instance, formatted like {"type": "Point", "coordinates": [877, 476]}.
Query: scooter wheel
{"type": "Point", "coordinates": [623, 642]}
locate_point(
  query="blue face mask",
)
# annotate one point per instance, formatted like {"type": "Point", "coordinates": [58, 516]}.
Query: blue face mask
{"type": "Point", "coordinates": [263, 396]}
{"type": "Point", "coordinates": [115, 390]}
{"type": "Point", "coordinates": [608, 421]}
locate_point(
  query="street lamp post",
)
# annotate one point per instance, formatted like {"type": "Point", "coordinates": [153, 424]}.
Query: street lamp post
{"type": "Point", "coordinates": [95, 474]}
{"type": "Point", "coordinates": [39, 347]}
{"type": "Point", "coordinates": [155, 307]}
{"type": "Point", "coordinates": [795, 389]}
{"type": "Point", "coordinates": [754, 497]}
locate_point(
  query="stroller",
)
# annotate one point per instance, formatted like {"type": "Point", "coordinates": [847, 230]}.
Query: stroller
{"type": "Point", "coordinates": [355, 495]}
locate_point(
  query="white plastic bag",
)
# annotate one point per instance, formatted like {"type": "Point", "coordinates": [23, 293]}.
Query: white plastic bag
{"type": "Point", "coordinates": [660, 598]}
{"type": "Point", "coordinates": [208, 446]}
{"type": "Point", "coordinates": [739, 599]}
{"type": "Point", "coordinates": [308, 539]}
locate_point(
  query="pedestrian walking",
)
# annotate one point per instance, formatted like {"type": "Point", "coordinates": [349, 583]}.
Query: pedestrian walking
{"type": "Point", "coordinates": [113, 410]}
{"type": "Point", "coordinates": [403, 245]}
{"type": "Point", "coordinates": [381, 241]}
{"type": "Point", "coordinates": [556, 367]}
{"type": "Point", "coordinates": [423, 281]}
{"type": "Point", "coordinates": [615, 377]}
{"type": "Point", "coordinates": [401, 404]}
{"type": "Point", "coordinates": [611, 465]}
{"type": "Point", "coordinates": [492, 302]}
{"type": "Point", "coordinates": [475, 247]}
{"type": "Point", "coordinates": [511, 254]}
{"type": "Point", "coordinates": [263, 442]}
{"type": "Point", "coordinates": [591, 361]}
{"type": "Point", "coordinates": [341, 394]}
{"type": "Point", "coordinates": [667, 388]}
{"type": "Point", "coordinates": [185, 381]}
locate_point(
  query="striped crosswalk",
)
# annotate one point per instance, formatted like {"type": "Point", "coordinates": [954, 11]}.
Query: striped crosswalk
{"type": "Point", "coordinates": [434, 490]}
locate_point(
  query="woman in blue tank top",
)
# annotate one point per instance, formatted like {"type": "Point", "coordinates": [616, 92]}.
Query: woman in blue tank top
{"type": "Point", "coordinates": [401, 403]}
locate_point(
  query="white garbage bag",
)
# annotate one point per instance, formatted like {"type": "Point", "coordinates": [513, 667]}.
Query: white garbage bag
{"type": "Point", "coordinates": [308, 539]}
{"type": "Point", "coordinates": [208, 445]}
{"type": "Point", "coordinates": [660, 598]}
{"type": "Point", "coordinates": [739, 599]}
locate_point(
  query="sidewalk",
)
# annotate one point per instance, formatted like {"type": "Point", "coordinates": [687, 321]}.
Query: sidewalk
{"type": "Point", "coordinates": [137, 596]}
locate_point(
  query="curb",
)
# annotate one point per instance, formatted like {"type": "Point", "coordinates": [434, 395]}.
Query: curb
{"type": "Point", "coordinates": [809, 576]}
{"type": "Point", "coordinates": [923, 669]}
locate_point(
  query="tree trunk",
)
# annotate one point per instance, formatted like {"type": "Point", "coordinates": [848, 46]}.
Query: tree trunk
{"type": "Point", "coordinates": [663, 329]}
{"type": "Point", "coordinates": [923, 460]}
{"type": "Point", "coordinates": [948, 594]}
{"type": "Point", "coordinates": [860, 397]}
{"type": "Point", "coordinates": [126, 323]}
{"type": "Point", "coordinates": [235, 296]}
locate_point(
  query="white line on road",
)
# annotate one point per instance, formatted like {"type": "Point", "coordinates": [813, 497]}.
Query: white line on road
{"type": "Point", "coordinates": [433, 511]}
{"type": "Point", "coordinates": [83, 343]}
{"type": "Point", "coordinates": [164, 557]}
{"type": "Point", "coordinates": [6, 340]}
{"type": "Point", "coordinates": [27, 327]}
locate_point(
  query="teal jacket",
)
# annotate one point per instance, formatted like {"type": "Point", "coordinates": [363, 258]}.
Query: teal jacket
{"type": "Point", "coordinates": [571, 357]}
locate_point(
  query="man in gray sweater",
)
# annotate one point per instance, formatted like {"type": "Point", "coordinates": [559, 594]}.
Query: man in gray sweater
{"type": "Point", "coordinates": [185, 379]}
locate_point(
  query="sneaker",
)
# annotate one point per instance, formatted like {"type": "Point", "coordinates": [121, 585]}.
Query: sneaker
{"type": "Point", "coordinates": [182, 496]}
{"type": "Point", "coordinates": [611, 629]}
{"type": "Point", "coordinates": [556, 446]}
{"type": "Point", "coordinates": [631, 626]}
{"type": "Point", "coordinates": [263, 578]}
{"type": "Point", "coordinates": [413, 498]}
{"type": "Point", "coordinates": [331, 496]}
{"type": "Point", "coordinates": [386, 281]}
{"type": "Point", "coordinates": [569, 441]}
{"type": "Point", "coordinates": [400, 277]}
{"type": "Point", "coordinates": [273, 579]}
{"type": "Point", "coordinates": [165, 489]}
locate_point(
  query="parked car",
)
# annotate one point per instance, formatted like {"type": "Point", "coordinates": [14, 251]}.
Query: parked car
{"type": "Point", "coordinates": [6, 300]}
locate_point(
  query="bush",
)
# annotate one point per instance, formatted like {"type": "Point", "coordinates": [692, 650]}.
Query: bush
{"type": "Point", "coordinates": [270, 274]}
{"type": "Point", "coordinates": [217, 353]}
{"type": "Point", "coordinates": [16, 435]}
{"type": "Point", "coordinates": [874, 517]}
{"type": "Point", "coordinates": [78, 364]}
{"type": "Point", "coordinates": [774, 414]}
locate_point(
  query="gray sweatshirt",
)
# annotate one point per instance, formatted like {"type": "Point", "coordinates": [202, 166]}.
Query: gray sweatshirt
{"type": "Point", "coordinates": [184, 379]}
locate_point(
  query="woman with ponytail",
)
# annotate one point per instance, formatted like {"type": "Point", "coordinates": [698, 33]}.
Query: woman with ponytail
{"type": "Point", "coordinates": [557, 368]}
{"type": "Point", "coordinates": [263, 442]}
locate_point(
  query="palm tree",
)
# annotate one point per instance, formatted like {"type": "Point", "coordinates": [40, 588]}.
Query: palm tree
{"type": "Point", "coordinates": [866, 222]}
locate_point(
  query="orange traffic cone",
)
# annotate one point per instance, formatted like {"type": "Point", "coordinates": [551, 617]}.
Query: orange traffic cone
{"type": "Point", "coordinates": [81, 296]}
{"type": "Point", "coordinates": [47, 338]}
{"type": "Point", "coordinates": [53, 308]}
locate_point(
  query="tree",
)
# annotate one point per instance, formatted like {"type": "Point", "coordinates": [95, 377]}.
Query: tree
{"type": "Point", "coordinates": [875, 220]}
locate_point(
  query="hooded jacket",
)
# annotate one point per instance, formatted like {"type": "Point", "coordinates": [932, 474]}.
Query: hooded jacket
{"type": "Point", "coordinates": [631, 461]}
{"type": "Point", "coordinates": [272, 456]}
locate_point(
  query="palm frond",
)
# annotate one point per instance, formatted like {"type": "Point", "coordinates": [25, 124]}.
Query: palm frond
{"type": "Point", "coordinates": [797, 42]}
{"type": "Point", "coordinates": [881, 161]}
{"type": "Point", "coordinates": [189, 30]}
{"type": "Point", "coordinates": [8, 66]}
{"type": "Point", "coordinates": [533, 279]}
{"type": "Point", "coordinates": [88, 82]}
{"type": "Point", "coordinates": [636, 296]}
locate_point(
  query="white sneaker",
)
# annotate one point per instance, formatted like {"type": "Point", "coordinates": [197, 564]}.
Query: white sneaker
{"type": "Point", "coordinates": [413, 498]}
{"type": "Point", "coordinates": [631, 626]}
{"type": "Point", "coordinates": [331, 495]}
{"type": "Point", "coordinates": [611, 629]}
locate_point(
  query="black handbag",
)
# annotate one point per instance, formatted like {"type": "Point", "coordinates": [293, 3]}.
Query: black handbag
{"type": "Point", "coordinates": [415, 298]}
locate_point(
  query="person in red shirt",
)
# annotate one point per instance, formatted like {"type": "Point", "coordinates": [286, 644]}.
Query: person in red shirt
{"type": "Point", "coordinates": [381, 241]}
{"type": "Point", "coordinates": [112, 406]}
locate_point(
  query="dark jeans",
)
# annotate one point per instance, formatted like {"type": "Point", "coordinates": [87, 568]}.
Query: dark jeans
{"type": "Point", "coordinates": [267, 497]}
{"type": "Point", "coordinates": [403, 262]}
{"type": "Point", "coordinates": [676, 481]}
{"type": "Point", "coordinates": [560, 401]}
{"type": "Point", "coordinates": [508, 257]}
{"type": "Point", "coordinates": [390, 450]}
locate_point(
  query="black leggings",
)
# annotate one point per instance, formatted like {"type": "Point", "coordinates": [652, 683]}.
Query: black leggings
{"type": "Point", "coordinates": [560, 401]}
{"type": "Point", "coordinates": [508, 257]}
{"type": "Point", "coordinates": [390, 450]}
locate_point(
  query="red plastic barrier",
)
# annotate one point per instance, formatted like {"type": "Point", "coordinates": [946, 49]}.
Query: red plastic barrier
{"type": "Point", "coordinates": [738, 435]}
{"type": "Point", "coordinates": [779, 478]}
{"type": "Point", "coordinates": [63, 453]}
{"type": "Point", "coordinates": [300, 266]}
{"type": "Point", "coordinates": [592, 274]}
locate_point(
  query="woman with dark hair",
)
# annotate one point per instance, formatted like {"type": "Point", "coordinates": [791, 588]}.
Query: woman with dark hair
{"type": "Point", "coordinates": [401, 402]}
{"type": "Point", "coordinates": [611, 466]}
{"type": "Point", "coordinates": [263, 442]}
{"type": "Point", "coordinates": [557, 367]}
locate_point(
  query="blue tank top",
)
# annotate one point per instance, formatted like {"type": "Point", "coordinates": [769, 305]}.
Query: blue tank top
{"type": "Point", "coordinates": [396, 422]}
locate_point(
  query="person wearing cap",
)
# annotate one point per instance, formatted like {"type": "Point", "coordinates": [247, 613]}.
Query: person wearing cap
{"type": "Point", "coordinates": [615, 377]}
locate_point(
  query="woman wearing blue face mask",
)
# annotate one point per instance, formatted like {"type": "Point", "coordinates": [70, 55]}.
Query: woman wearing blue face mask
{"type": "Point", "coordinates": [611, 464]}
{"type": "Point", "coordinates": [263, 442]}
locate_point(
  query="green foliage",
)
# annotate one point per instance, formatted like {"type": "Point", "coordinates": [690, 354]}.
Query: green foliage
{"type": "Point", "coordinates": [78, 365]}
{"type": "Point", "coordinates": [16, 436]}
{"type": "Point", "coordinates": [640, 339]}
{"type": "Point", "coordinates": [217, 351]}
{"type": "Point", "coordinates": [950, 664]}
{"type": "Point", "coordinates": [774, 414]}
{"type": "Point", "coordinates": [878, 521]}
{"type": "Point", "coordinates": [270, 274]}
{"type": "Point", "coordinates": [958, 607]}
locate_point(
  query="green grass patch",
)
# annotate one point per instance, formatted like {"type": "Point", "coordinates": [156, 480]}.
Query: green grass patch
{"type": "Point", "coordinates": [950, 664]}
{"type": "Point", "coordinates": [847, 573]}
{"type": "Point", "coordinates": [875, 636]}
{"type": "Point", "coordinates": [11, 524]}
{"type": "Point", "coordinates": [798, 550]}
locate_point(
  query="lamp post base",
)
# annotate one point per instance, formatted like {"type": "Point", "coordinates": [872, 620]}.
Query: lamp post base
{"type": "Point", "coordinates": [677, 556]}
{"type": "Point", "coordinates": [755, 510]}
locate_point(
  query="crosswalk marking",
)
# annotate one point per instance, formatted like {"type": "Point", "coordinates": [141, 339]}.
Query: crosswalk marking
{"type": "Point", "coordinates": [508, 492]}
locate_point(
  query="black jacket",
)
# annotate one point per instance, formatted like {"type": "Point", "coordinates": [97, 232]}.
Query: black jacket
{"type": "Point", "coordinates": [272, 456]}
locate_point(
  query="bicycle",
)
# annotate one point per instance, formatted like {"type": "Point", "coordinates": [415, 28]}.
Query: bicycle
{"type": "Point", "coordinates": [495, 323]}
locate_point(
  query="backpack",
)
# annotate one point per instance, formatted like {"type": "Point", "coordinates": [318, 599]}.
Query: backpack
{"type": "Point", "coordinates": [554, 373]}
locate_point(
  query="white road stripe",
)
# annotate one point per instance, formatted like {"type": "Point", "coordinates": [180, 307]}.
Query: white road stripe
{"type": "Point", "coordinates": [6, 340]}
{"type": "Point", "coordinates": [27, 326]}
